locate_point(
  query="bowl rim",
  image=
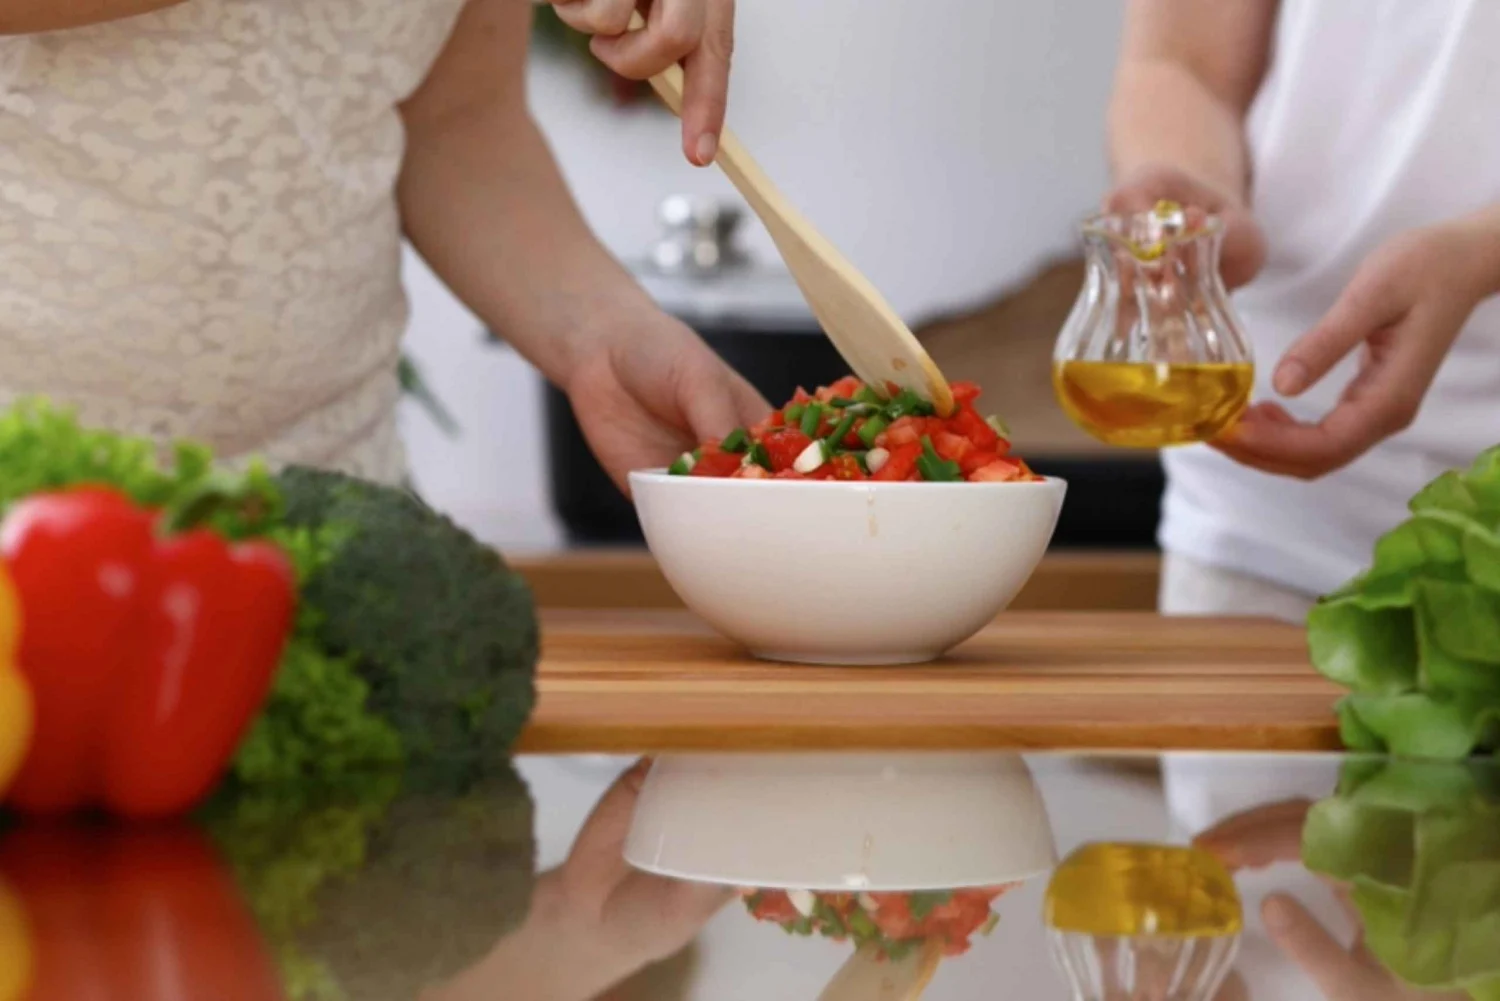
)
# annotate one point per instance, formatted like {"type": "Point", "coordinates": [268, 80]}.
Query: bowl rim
{"type": "Point", "coordinates": [660, 475]}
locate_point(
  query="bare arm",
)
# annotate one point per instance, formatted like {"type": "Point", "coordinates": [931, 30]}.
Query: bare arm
{"type": "Point", "coordinates": [483, 202]}
{"type": "Point", "coordinates": [27, 17]}
{"type": "Point", "coordinates": [1188, 72]}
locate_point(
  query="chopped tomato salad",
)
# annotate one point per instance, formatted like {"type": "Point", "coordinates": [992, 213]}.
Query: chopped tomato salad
{"type": "Point", "coordinates": [892, 923]}
{"type": "Point", "coordinates": [849, 431]}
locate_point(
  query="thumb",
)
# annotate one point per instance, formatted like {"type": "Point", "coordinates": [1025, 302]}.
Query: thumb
{"type": "Point", "coordinates": [596, 859]}
{"type": "Point", "coordinates": [1298, 934]}
{"type": "Point", "coordinates": [1370, 303]}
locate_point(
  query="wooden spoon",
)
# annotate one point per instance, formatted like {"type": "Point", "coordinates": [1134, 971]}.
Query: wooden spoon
{"type": "Point", "coordinates": [867, 977]}
{"type": "Point", "coordinates": [861, 324]}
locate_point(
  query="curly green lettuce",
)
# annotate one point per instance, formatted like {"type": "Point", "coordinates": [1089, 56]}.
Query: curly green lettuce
{"type": "Point", "coordinates": [1416, 638]}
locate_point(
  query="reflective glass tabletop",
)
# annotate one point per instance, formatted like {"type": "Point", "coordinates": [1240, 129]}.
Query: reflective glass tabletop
{"type": "Point", "coordinates": [943, 876]}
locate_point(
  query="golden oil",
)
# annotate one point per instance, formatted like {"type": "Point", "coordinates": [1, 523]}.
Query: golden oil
{"type": "Point", "coordinates": [1129, 890]}
{"type": "Point", "coordinates": [1152, 405]}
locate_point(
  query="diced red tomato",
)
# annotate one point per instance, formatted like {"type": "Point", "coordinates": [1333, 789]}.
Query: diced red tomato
{"type": "Point", "coordinates": [713, 462]}
{"type": "Point", "coordinates": [969, 424]}
{"type": "Point", "coordinates": [773, 905]}
{"type": "Point", "coordinates": [901, 464]}
{"type": "Point", "coordinates": [784, 446]}
{"type": "Point", "coordinates": [964, 392]}
{"type": "Point", "coordinates": [964, 438]}
{"type": "Point", "coordinates": [846, 467]}
{"type": "Point", "coordinates": [999, 471]}
{"type": "Point", "coordinates": [976, 459]}
{"type": "Point", "coordinates": [906, 430]}
{"type": "Point", "coordinates": [845, 387]}
{"type": "Point", "coordinates": [952, 447]}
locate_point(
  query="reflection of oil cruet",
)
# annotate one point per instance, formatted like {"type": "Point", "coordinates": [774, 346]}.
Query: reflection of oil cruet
{"type": "Point", "coordinates": [1152, 354]}
{"type": "Point", "coordinates": [1143, 923]}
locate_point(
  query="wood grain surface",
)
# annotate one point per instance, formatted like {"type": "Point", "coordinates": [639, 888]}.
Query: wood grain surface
{"type": "Point", "coordinates": [647, 681]}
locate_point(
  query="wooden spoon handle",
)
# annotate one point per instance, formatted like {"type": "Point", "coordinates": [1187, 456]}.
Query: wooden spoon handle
{"type": "Point", "coordinates": [732, 158]}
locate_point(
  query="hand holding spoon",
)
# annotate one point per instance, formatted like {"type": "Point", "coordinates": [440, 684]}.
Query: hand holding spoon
{"type": "Point", "coordinates": [878, 346]}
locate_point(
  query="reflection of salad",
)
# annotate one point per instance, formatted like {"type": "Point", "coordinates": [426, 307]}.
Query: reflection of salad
{"type": "Point", "coordinates": [891, 923]}
{"type": "Point", "coordinates": [848, 431]}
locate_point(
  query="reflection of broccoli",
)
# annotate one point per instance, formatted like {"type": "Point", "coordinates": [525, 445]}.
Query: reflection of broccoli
{"type": "Point", "coordinates": [441, 631]}
{"type": "Point", "coordinates": [286, 845]}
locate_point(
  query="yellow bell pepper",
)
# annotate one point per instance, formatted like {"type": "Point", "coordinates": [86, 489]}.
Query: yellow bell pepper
{"type": "Point", "coordinates": [16, 709]}
{"type": "Point", "coordinates": [16, 959]}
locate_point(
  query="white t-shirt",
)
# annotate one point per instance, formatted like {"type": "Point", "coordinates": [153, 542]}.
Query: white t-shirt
{"type": "Point", "coordinates": [1377, 116]}
{"type": "Point", "coordinates": [198, 226]}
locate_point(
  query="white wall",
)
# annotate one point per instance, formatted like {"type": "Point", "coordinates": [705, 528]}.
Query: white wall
{"type": "Point", "coordinates": [946, 147]}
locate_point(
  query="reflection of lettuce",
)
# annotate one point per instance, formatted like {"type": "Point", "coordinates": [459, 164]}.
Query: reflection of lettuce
{"type": "Point", "coordinates": [1419, 842]}
{"type": "Point", "coordinates": [1416, 638]}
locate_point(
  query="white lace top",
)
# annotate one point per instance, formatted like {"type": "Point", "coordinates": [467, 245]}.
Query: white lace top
{"type": "Point", "coordinates": [198, 229]}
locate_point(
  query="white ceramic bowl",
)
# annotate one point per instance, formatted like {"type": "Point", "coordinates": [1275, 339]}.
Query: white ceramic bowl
{"type": "Point", "coordinates": [879, 822]}
{"type": "Point", "coordinates": [846, 573]}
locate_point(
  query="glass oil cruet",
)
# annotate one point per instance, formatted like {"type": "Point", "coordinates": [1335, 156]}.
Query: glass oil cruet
{"type": "Point", "coordinates": [1152, 354]}
{"type": "Point", "coordinates": [1138, 922]}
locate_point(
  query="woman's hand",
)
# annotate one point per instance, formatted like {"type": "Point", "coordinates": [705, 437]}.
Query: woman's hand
{"type": "Point", "coordinates": [640, 918]}
{"type": "Point", "coordinates": [1404, 308]}
{"type": "Point", "coordinates": [697, 33]}
{"type": "Point", "coordinates": [1269, 834]}
{"type": "Point", "coordinates": [595, 921]}
{"type": "Point", "coordinates": [1244, 249]}
{"type": "Point", "coordinates": [651, 390]}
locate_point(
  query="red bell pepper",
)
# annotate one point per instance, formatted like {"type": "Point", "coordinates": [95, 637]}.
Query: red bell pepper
{"type": "Point", "coordinates": [136, 913]}
{"type": "Point", "coordinates": [148, 653]}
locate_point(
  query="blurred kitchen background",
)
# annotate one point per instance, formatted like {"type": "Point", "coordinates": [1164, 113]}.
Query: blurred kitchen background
{"type": "Point", "coordinates": [949, 148]}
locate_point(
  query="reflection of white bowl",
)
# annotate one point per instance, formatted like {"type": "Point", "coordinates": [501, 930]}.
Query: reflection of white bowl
{"type": "Point", "coordinates": [842, 821]}
{"type": "Point", "coordinates": [846, 573]}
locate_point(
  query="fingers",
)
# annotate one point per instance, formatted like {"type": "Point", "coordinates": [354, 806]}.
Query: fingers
{"type": "Point", "coordinates": [1338, 975]}
{"type": "Point", "coordinates": [1258, 838]}
{"type": "Point", "coordinates": [1244, 250]}
{"type": "Point", "coordinates": [1368, 305]}
{"type": "Point", "coordinates": [706, 86]}
{"type": "Point", "coordinates": [596, 860]}
{"type": "Point", "coordinates": [673, 30]}
{"type": "Point", "coordinates": [596, 17]}
{"type": "Point", "coordinates": [1381, 401]}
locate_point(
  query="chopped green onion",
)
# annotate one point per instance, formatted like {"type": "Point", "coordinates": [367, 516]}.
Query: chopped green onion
{"type": "Point", "coordinates": [933, 467]}
{"type": "Point", "coordinates": [871, 429]}
{"type": "Point", "coordinates": [794, 413]}
{"type": "Point", "coordinates": [842, 402]}
{"type": "Point", "coordinates": [863, 928]}
{"type": "Point", "coordinates": [998, 426]}
{"type": "Point", "coordinates": [867, 395]}
{"type": "Point", "coordinates": [864, 464]}
{"type": "Point", "coordinates": [896, 951]}
{"type": "Point", "coordinates": [685, 463]}
{"type": "Point", "coordinates": [759, 456]}
{"type": "Point", "coordinates": [842, 431]}
{"type": "Point", "coordinates": [989, 924]}
{"type": "Point", "coordinates": [811, 418]}
{"type": "Point", "coordinates": [737, 441]}
{"type": "Point", "coordinates": [908, 404]}
{"type": "Point", "coordinates": [922, 904]}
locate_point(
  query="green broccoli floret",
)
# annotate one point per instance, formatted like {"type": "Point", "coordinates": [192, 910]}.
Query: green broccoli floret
{"type": "Point", "coordinates": [442, 631]}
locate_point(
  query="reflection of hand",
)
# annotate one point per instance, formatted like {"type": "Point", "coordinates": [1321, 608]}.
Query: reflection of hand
{"type": "Point", "coordinates": [1270, 834]}
{"type": "Point", "coordinates": [643, 918]}
{"type": "Point", "coordinates": [594, 921]}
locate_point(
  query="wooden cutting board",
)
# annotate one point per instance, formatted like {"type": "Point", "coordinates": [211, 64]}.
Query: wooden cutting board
{"type": "Point", "coordinates": [642, 682]}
